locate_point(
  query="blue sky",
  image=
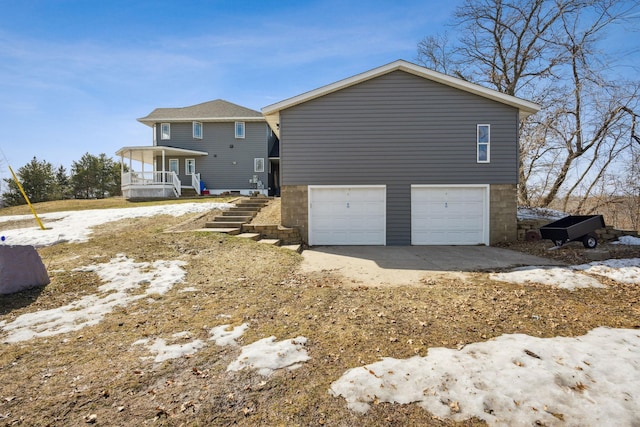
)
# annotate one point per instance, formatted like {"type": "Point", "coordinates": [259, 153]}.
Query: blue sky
{"type": "Point", "coordinates": [75, 74]}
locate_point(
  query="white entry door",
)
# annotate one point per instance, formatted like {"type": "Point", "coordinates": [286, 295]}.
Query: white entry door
{"type": "Point", "coordinates": [449, 215]}
{"type": "Point", "coordinates": [347, 215]}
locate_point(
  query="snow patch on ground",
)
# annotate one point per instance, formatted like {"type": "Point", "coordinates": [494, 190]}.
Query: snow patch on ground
{"type": "Point", "coordinates": [512, 380]}
{"type": "Point", "coordinates": [165, 352]}
{"type": "Point", "coordinates": [620, 270]}
{"type": "Point", "coordinates": [223, 335]}
{"type": "Point", "coordinates": [267, 355]}
{"type": "Point", "coordinates": [75, 226]}
{"type": "Point", "coordinates": [122, 277]}
{"type": "Point", "coordinates": [627, 240]}
{"type": "Point", "coordinates": [539, 213]}
{"type": "Point", "coordinates": [559, 277]}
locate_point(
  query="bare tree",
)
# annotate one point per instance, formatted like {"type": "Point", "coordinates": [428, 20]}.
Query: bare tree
{"type": "Point", "coordinates": [547, 51]}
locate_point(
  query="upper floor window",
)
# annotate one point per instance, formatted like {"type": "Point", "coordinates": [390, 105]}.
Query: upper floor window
{"type": "Point", "coordinates": [239, 129]}
{"type": "Point", "coordinates": [197, 130]}
{"type": "Point", "coordinates": [483, 137]}
{"type": "Point", "coordinates": [165, 131]}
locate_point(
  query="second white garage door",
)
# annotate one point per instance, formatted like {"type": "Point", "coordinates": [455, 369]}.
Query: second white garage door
{"type": "Point", "coordinates": [343, 215]}
{"type": "Point", "coordinates": [449, 215]}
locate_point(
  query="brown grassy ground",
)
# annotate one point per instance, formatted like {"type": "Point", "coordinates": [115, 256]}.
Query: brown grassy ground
{"type": "Point", "coordinates": [96, 372]}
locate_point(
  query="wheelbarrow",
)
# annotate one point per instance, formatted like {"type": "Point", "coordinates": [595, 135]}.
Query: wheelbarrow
{"type": "Point", "coordinates": [574, 228]}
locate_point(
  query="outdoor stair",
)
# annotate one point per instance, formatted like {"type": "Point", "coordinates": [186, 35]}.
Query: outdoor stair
{"type": "Point", "coordinates": [236, 212]}
{"type": "Point", "coordinates": [188, 192]}
{"type": "Point", "coordinates": [231, 222]}
{"type": "Point", "coordinates": [251, 236]}
{"type": "Point", "coordinates": [228, 218]}
{"type": "Point", "coordinates": [225, 224]}
{"type": "Point", "coordinates": [274, 242]}
{"type": "Point", "coordinates": [242, 213]}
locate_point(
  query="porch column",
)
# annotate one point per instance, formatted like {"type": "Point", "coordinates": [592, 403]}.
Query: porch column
{"type": "Point", "coordinates": [164, 176]}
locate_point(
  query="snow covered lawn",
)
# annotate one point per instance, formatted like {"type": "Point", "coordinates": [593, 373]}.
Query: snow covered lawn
{"type": "Point", "coordinates": [512, 380]}
{"type": "Point", "coordinates": [75, 226]}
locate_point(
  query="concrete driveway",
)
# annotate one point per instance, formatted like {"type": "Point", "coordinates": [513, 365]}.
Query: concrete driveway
{"type": "Point", "coordinates": [401, 265]}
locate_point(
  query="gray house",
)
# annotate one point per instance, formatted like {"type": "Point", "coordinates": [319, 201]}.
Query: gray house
{"type": "Point", "coordinates": [399, 155]}
{"type": "Point", "coordinates": [213, 147]}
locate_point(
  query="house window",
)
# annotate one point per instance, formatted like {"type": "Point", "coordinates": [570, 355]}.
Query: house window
{"type": "Point", "coordinates": [190, 166]}
{"type": "Point", "coordinates": [165, 131]}
{"type": "Point", "coordinates": [197, 130]}
{"type": "Point", "coordinates": [258, 165]}
{"type": "Point", "coordinates": [239, 129]}
{"type": "Point", "coordinates": [483, 142]}
{"type": "Point", "coordinates": [174, 166]}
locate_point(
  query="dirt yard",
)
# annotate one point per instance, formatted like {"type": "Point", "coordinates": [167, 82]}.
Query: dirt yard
{"type": "Point", "coordinates": [100, 375]}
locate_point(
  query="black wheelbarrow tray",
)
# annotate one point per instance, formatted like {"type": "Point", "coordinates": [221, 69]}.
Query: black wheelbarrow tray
{"type": "Point", "coordinates": [573, 228]}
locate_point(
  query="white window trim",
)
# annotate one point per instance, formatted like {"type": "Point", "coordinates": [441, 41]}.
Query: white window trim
{"type": "Point", "coordinates": [488, 143]}
{"type": "Point", "coordinates": [177, 163]}
{"type": "Point", "coordinates": [168, 134]}
{"type": "Point", "coordinates": [194, 130]}
{"type": "Point", "coordinates": [186, 166]}
{"type": "Point", "coordinates": [240, 135]}
{"type": "Point", "coordinates": [258, 164]}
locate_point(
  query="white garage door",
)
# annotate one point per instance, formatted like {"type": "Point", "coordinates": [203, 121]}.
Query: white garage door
{"type": "Point", "coordinates": [449, 215]}
{"type": "Point", "coordinates": [341, 215]}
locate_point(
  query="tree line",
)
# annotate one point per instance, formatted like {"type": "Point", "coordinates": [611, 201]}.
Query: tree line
{"type": "Point", "coordinates": [91, 177]}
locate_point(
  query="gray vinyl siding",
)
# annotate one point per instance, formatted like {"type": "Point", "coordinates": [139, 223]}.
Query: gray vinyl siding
{"type": "Point", "coordinates": [397, 129]}
{"type": "Point", "coordinates": [217, 169]}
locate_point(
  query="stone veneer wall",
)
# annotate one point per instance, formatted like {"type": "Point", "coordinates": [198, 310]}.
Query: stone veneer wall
{"type": "Point", "coordinates": [503, 212]}
{"type": "Point", "coordinates": [294, 210]}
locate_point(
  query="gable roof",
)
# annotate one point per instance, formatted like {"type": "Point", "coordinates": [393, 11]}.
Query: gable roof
{"type": "Point", "coordinates": [218, 110]}
{"type": "Point", "coordinates": [272, 112]}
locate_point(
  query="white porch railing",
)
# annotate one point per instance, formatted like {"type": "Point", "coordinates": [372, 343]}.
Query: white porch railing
{"type": "Point", "coordinates": [150, 184]}
{"type": "Point", "coordinates": [195, 182]}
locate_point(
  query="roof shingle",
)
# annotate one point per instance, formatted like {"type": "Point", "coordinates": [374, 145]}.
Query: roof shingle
{"type": "Point", "coordinates": [217, 110]}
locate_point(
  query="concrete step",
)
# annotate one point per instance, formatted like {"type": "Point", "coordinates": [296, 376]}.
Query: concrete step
{"type": "Point", "coordinates": [250, 206]}
{"type": "Point", "coordinates": [229, 218]}
{"type": "Point", "coordinates": [237, 212]}
{"type": "Point", "coordinates": [274, 242]}
{"type": "Point", "coordinates": [224, 224]}
{"type": "Point", "coordinates": [295, 248]}
{"type": "Point", "coordinates": [252, 236]}
{"type": "Point", "coordinates": [229, 231]}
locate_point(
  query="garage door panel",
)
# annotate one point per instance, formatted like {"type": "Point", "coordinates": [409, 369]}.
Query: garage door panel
{"type": "Point", "coordinates": [448, 215]}
{"type": "Point", "coordinates": [347, 215]}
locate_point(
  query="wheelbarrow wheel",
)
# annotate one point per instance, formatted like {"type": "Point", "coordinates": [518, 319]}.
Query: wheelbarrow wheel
{"type": "Point", "coordinates": [590, 241]}
{"type": "Point", "coordinates": [558, 243]}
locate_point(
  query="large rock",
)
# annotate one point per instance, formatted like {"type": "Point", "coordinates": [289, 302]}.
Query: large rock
{"type": "Point", "coordinates": [21, 268]}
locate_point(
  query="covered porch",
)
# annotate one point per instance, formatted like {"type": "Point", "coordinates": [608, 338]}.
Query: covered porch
{"type": "Point", "coordinates": [144, 179]}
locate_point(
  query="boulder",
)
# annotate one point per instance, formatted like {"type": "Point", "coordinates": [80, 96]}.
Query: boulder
{"type": "Point", "coordinates": [21, 268]}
